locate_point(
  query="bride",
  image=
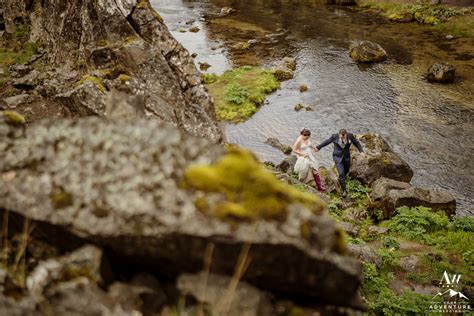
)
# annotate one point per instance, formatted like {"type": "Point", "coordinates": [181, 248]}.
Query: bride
{"type": "Point", "coordinates": [306, 165]}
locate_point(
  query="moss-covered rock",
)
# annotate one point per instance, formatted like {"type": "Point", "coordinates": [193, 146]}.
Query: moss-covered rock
{"type": "Point", "coordinates": [248, 190]}
{"type": "Point", "coordinates": [95, 80]}
{"type": "Point", "coordinates": [239, 92]}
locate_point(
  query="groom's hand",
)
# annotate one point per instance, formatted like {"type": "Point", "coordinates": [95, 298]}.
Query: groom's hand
{"type": "Point", "coordinates": [364, 155]}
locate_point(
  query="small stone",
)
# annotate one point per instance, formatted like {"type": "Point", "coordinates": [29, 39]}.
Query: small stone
{"type": "Point", "coordinates": [204, 66]}
{"type": "Point", "coordinates": [14, 101]}
{"type": "Point", "coordinates": [308, 108]}
{"type": "Point", "coordinates": [299, 107]}
{"type": "Point", "coordinates": [441, 72]}
{"type": "Point", "coordinates": [194, 55]}
{"type": "Point", "coordinates": [13, 118]}
{"type": "Point", "coordinates": [194, 29]}
{"type": "Point", "coordinates": [227, 10]}
{"type": "Point", "coordinates": [303, 88]}
{"type": "Point", "coordinates": [189, 22]}
{"type": "Point", "coordinates": [409, 263]}
{"type": "Point", "coordinates": [449, 37]}
{"type": "Point", "coordinates": [181, 30]}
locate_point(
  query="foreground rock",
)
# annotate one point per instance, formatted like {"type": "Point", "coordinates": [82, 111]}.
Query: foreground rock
{"type": "Point", "coordinates": [285, 69]}
{"type": "Point", "coordinates": [367, 52]}
{"type": "Point", "coordinates": [152, 194]}
{"type": "Point", "coordinates": [123, 45]}
{"type": "Point", "coordinates": [381, 161]}
{"type": "Point", "coordinates": [212, 290]}
{"type": "Point", "coordinates": [286, 149]}
{"type": "Point", "coordinates": [387, 195]}
{"type": "Point", "coordinates": [441, 72]}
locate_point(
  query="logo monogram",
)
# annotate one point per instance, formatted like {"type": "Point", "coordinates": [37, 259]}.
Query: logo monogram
{"type": "Point", "coordinates": [450, 282]}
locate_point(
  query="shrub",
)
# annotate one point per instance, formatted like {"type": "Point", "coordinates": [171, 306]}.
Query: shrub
{"type": "Point", "coordinates": [356, 189]}
{"type": "Point", "coordinates": [416, 222]}
{"type": "Point", "coordinates": [236, 93]}
{"type": "Point", "coordinates": [390, 242]}
{"type": "Point", "coordinates": [462, 223]}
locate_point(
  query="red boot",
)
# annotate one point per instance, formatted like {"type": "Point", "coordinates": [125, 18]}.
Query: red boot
{"type": "Point", "coordinates": [320, 186]}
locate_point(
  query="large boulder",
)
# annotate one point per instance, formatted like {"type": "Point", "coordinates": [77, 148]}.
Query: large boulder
{"type": "Point", "coordinates": [441, 72]}
{"type": "Point", "coordinates": [367, 52]}
{"type": "Point", "coordinates": [274, 142]}
{"type": "Point", "coordinates": [387, 195]}
{"type": "Point", "coordinates": [92, 47]}
{"type": "Point", "coordinates": [156, 196]}
{"type": "Point", "coordinates": [381, 161]}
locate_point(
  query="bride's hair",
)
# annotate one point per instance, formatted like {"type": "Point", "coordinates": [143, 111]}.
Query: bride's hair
{"type": "Point", "coordinates": [305, 131]}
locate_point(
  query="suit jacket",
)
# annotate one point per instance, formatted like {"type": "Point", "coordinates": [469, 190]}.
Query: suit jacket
{"type": "Point", "coordinates": [341, 153]}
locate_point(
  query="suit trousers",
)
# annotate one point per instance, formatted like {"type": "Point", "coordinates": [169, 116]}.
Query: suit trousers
{"type": "Point", "coordinates": [343, 169]}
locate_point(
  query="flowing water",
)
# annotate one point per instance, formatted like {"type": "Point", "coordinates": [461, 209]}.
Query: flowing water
{"type": "Point", "coordinates": [430, 125]}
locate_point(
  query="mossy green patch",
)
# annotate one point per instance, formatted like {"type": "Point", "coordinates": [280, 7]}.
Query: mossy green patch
{"type": "Point", "coordinates": [96, 81]}
{"type": "Point", "coordinates": [19, 56]}
{"type": "Point", "coordinates": [247, 190]}
{"type": "Point", "coordinates": [61, 198]}
{"type": "Point", "coordinates": [13, 118]}
{"type": "Point", "coordinates": [239, 92]}
{"type": "Point", "coordinates": [124, 77]}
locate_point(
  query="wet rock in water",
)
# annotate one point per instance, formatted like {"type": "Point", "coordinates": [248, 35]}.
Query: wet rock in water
{"type": "Point", "coordinates": [381, 161]}
{"type": "Point", "coordinates": [182, 30]}
{"type": "Point", "coordinates": [388, 195]}
{"type": "Point", "coordinates": [303, 88]}
{"type": "Point", "coordinates": [286, 149]}
{"type": "Point", "coordinates": [189, 22]}
{"type": "Point", "coordinates": [194, 29]}
{"type": "Point", "coordinates": [441, 72]}
{"type": "Point", "coordinates": [287, 165]}
{"type": "Point", "coordinates": [299, 107]}
{"type": "Point", "coordinates": [194, 55]}
{"type": "Point", "coordinates": [367, 52]}
{"type": "Point", "coordinates": [204, 66]}
{"type": "Point", "coordinates": [309, 109]}
{"type": "Point", "coordinates": [285, 69]}
{"type": "Point", "coordinates": [165, 207]}
{"type": "Point", "coordinates": [227, 11]}
{"type": "Point", "coordinates": [212, 291]}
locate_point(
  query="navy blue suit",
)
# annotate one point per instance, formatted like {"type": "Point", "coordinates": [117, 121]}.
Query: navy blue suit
{"type": "Point", "coordinates": [342, 154]}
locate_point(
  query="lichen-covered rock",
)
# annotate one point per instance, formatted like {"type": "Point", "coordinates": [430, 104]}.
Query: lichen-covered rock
{"type": "Point", "coordinates": [211, 290]}
{"type": "Point", "coordinates": [387, 195]}
{"type": "Point", "coordinates": [95, 42]}
{"type": "Point", "coordinates": [330, 180]}
{"type": "Point", "coordinates": [287, 165]}
{"type": "Point", "coordinates": [367, 52]}
{"type": "Point", "coordinates": [381, 161]}
{"type": "Point", "coordinates": [441, 72]}
{"type": "Point", "coordinates": [153, 194]}
{"type": "Point", "coordinates": [285, 69]}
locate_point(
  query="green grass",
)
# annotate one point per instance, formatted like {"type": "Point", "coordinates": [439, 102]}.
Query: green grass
{"type": "Point", "coordinates": [239, 92]}
{"type": "Point", "coordinates": [356, 189]}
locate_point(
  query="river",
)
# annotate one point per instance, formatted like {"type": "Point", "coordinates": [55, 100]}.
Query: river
{"type": "Point", "coordinates": [430, 125]}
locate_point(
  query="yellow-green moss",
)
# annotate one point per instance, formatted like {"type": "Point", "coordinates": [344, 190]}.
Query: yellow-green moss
{"type": "Point", "coordinates": [13, 118]}
{"type": "Point", "coordinates": [130, 40]}
{"type": "Point", "coordinates": [96, 81]}
{"type": "Point", "coordinates": [340, 241]}
{"type": "Point", "coordinates": [124, 78]}
{"type": "Point", "coordinates": [61, 199]}
{"type": "Point", "coordinates": [143, 4]}
{"type": "Point", "coordinates": [239, 92]}
{"type": "Point", "coordinates": [249, 191]}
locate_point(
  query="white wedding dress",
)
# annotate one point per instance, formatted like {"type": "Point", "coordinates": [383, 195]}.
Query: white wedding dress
{"type": "Point", "coordinates": [304, 165]}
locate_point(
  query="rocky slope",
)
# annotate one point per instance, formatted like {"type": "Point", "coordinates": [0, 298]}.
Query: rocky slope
{"type": "Point", "coordinates": [88, 48]}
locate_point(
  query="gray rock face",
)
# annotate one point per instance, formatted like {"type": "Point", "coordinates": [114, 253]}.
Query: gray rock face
{"type": "Point", "coordinates": [367, 52]}
{"type": "Point", "coordinates": [287, 165]}
{"type": "Point", "coordinates": [381, 161]}
{"type": "Point", "coordinates": [212, 290]}
{"type": "Point", "coordinates": [441, 72]}
{"type": "Point", "coordinates": [105, 45]}
{"type": "Point", "coordinates": [120, 185]}
{"type": "Point", "coordinates": [388, 195]}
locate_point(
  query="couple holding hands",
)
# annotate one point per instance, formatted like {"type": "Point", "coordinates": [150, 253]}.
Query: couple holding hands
{"type": "Point", "coordinates": [307, 166]}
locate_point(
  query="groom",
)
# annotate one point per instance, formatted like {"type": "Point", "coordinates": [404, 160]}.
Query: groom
{"type": "Point", "coordinates": [341, 154]}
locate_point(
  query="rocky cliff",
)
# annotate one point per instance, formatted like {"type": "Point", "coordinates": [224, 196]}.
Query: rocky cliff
{"type": "Point", "coordinates": [87, 48]}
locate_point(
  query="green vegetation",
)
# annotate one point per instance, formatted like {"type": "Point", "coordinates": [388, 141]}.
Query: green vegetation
{"type": "Point", "coordinates": [17, 56]}
{"type": "Point", "coordinates": [415, 223]}
{"type": "Point", "coordinates": [250, 192]}
{"type": "Point", "coordinates": [96, 81]}
{"type": "Point", "coordinates": [356, 189]}
{"type": "Point", "coordinates": [239, 92]}
{"type": "Point", "coordinates": [457, 22]}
